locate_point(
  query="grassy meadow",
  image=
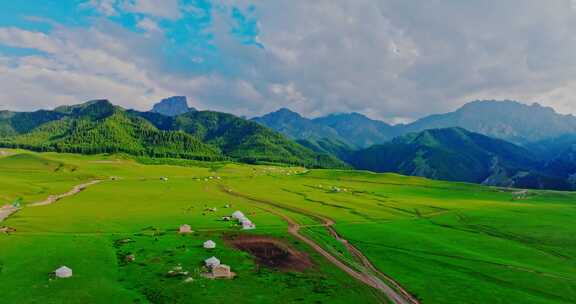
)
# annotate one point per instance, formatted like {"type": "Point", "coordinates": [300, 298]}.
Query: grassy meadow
{"type": "Point", "coordinates": [443, 242]}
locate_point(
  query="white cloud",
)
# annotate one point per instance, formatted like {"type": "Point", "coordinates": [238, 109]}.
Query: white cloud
{"type": "Point", "coordinates": [83, 64]}
{"type": "Point", "coordinates": [168, 9]}
{"type": "Point", "coordinates": [19, 38]}
{"type": "Point", "coordinates": [391, 59]}
{"type": "Point", "coordinates": [405, 59]}
{"type": "Point", "coordinates": [148, 25]}
{"type": "Point", "coordinates": [104, 7]}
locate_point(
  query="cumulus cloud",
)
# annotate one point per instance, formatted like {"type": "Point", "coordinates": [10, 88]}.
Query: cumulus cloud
{"type": "Point", "coordinates": [392, 59]}
{"type": "Point", "coordinates": [169, 9]}
{"type": "Point", "coordinates": [19, 38]}
{"type": "Point", "coordinates": [105, 7]}
{"type": "Point", "coordinates": [148, 25]}
{"type": "Point", "coordinates": [401, 59]}
{"type": "Point", "coordinates": [82, 64]}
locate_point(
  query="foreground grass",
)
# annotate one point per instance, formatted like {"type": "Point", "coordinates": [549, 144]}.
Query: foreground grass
{"type": "Point", "coordinates": [444, 242]}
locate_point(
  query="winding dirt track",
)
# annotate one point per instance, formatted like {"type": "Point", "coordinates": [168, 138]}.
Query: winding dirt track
{"type": "Point", "coordinates": [367, 275]}
{"type": "Point", "coordinates": [7, 210]}
{"type": "Point", "coordinates": [54, 198]}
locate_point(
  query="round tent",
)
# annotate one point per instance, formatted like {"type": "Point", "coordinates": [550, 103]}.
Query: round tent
{"type": "Point", "coordinates": [212, 262]}
{"type": "Point", "coordinates": [63, 272]}
{"type": "Point", "coordinates": [209, 244]}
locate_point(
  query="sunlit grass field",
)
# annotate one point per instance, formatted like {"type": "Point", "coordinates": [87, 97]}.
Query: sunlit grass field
{"type": "Point", "coordinates": [443, 242]}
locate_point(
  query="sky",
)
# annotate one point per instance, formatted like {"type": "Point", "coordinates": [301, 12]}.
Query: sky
{"type": "Point", "coordinates": [394, 60]}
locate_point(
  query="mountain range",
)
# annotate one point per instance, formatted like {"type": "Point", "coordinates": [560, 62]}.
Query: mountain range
{"type": "Point", "coordinates": [540, 144]}
{"type": "Point", "coordinates": [455, 154]}
{"type": "Point", "coordinates": [500, 143]}
{"type": "Point", "coordinates": [101, 127]}
{"type": "Point", "coordinates": [508, 120]}
{"type": "Point", "coordinates": [353, 129]}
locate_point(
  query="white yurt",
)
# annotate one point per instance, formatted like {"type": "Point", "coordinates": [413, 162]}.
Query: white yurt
{"type": "Point", "coordinates": [238, 215]}
{"type": "Point", "coordinates": [209, 244]}
{"type": "Point", "coordinates": [248, 225]}
{"type": "Point", "coordinates": [185, 229]}
{"type": "Point", "coordinates": [212, 262]}
{"type": "Point", "coordinates": [63, 272]}
{"type": "Point", "coordinates": [245, 221]}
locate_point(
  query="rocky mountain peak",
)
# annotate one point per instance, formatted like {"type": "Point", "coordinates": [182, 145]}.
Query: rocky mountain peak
{"type": "Point", "coordinates": [172, 106]}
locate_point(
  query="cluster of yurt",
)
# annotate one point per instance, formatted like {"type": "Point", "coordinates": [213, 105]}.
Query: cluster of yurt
{"type": "Point", "coordinates": [243, 220]}
{"type": "Point", "coordinates": [218, 270]}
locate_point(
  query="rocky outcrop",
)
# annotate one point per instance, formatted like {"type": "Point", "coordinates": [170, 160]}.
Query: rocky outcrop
{"type": "Point", "coordinates": [172, 106]}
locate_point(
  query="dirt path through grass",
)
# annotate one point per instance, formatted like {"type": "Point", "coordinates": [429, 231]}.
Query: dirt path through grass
{"type": "Point", "coordinates": [368, 274]}
{"type": "Point", "coordinates": [6, 211]}
{"type": "Point", "coordinates": [54, 198]}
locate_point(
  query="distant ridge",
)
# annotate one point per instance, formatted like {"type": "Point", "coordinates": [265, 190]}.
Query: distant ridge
{"type": "Point", "coordinates": [359, 130]}
{"type": "Point", "coordinates": [354, 129]}
{"type": "Point", "coordinates": [455, 154]}
{"type": "Point", "coordinates": [509, 120]}
{"type": "Point", "coordinates": [295, 126]}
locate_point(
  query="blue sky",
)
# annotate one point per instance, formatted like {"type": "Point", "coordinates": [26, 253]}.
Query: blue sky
{"type": "Point", "coordinates": [187, 37]}
{"type": "Point", "coordinates": [181, 33]}
{"type": "Point", "coordinates": [390, 59]}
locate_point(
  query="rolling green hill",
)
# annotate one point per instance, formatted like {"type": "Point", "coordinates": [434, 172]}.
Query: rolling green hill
{"type": "Point", "coordinates": [242, 140]}
{"type": "Point", "coordinates": [100, 127]}
{"type": "Point", "coordinates": [12, 123]}
{"type": "Point", "coordinates": [328, 146]}
{"type": "Point", "coordinates": [295, 126]}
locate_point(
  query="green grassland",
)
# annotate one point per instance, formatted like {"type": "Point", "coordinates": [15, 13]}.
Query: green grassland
{"type": "Point", "coordinates": [444, 242]}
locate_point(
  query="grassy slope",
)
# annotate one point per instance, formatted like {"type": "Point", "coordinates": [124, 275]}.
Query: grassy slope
{"type": "Point", "coordinates": [81, 231]}
{"type": "Point", "coordinates": [448, 242]}
{"type": "Point", "coordinates": [99, 127]}
{"type": "Point", "coordinates": [445, 242]}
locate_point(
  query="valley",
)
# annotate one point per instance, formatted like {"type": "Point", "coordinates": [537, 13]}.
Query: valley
{"type": "Point", "coordinates": [290, 152]}
{"type": "Point", "coordinates": [425, 241]}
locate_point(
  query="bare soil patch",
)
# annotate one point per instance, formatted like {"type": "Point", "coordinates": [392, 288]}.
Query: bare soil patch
{"type": "Point", "coordinates": [271, 252]}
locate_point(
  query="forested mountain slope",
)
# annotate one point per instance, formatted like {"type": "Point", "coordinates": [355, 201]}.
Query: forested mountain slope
{"type": "Point", "coordinates": [100, 127]}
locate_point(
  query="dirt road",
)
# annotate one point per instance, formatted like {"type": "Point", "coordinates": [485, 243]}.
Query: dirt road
{"type": "Point", "coordinates": [368, 274]}
{"type": "Point", "coordinates": [6, 211]}
{"type": "Point", "coordinates": [54, 198]}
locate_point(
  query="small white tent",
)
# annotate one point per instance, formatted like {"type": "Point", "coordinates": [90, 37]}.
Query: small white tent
{"type": "Point", "coordinates": [209, 244]}
{"type": "Point", "coordinates": [248, 225]}
{"type": "Point", "coordinates": [185, 229]}
{"type": "Point", "coordinates": [238, 215]}
{"type": "Point", "coordinates": [245, 221]}
{"type": "Point", "coordinates": [212, 262]}
{"type": "Point", "coordinates": [63, 272]}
